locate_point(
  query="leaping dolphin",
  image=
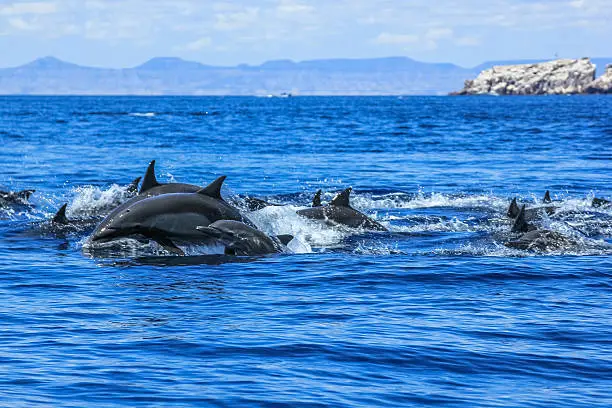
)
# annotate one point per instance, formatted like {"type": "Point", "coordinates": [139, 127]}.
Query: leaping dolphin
{"type": "Point", "coordinates": [339, 211]}
{"type": "Point", "coordinates": [167, 217]}
{"type": "Point", "coordinates": [240, 239]}
{"type": "Point", "coordinates": [150, 187]}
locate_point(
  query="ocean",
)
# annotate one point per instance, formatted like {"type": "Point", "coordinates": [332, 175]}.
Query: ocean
{"type": "Point", "coordinates": [435, 312]}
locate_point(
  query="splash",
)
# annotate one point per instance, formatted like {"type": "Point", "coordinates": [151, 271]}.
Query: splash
{"type": "Point", "coordinates": [91, 201]}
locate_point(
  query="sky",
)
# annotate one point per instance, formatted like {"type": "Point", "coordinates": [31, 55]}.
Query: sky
{"type": "Point", "coordinates": [125, 33]}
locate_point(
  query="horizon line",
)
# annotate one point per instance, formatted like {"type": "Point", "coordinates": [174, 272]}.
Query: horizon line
{"type": "Point", "coordinates": [286, 60]}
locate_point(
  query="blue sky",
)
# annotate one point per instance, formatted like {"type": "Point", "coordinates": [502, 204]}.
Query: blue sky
{"type": "Point", "coordinates": [124, 33]}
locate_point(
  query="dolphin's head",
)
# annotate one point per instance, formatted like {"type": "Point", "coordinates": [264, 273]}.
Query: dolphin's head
{"type": "Point", "coordinates": [122, 225]}
{"type": "Point", "coordinates": [239, 238]}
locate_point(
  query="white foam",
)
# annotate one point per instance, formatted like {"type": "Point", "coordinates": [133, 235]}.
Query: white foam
{"type": "Point", "coordinates": [94, 201]}
{"type": "Point", "coordinates": [405, 201]}
{"type": "Point", "coordinates": [276, 220]}
{"type": "Point", "coordinates": [143, 115]}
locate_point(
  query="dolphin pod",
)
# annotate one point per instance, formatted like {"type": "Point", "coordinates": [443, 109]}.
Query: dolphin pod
{"type": "Point", "coordinates": [172, 214]}
{"type": "Point", "coordinates": [167, 217]}
{"type": "Point", "coordinates": [184, 213]}
{"type": "Point", "coordinates": [533, 212]}
{"type": "Point", "coordinates": [532, 238]}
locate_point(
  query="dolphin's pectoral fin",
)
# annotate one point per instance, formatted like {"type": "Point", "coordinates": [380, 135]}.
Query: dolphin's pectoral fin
{"type": "Point", "coordinates": [342, 199]}
{"type": "Point", "coordinates": [60, 217]}
{"type": "Point", "coordinates": [213, 189]}
{"type": "Point", "coordinates": [316, 201]}
{"type": "Point", "coordinates": [149, 181]}
{"type": "Point", "coordinates": [284, 238]}
{"type": "Point", "coordinates": [168, 245]}
{"type": "Point", "coordinates": [546, 198]}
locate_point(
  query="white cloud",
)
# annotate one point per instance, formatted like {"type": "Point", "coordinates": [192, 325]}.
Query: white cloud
{"type": "Point", "coordinates": [292, 7]}
{"type": "Point", "coordinates": [388, 38]}
{"type": "Point", "coordinates": [18, 9]}
{"type": "Point", "coordinates": [21, 24]}
{"type": "Point", "coordinates": [577, 3]}
{"type": "Point", "coordinates": [197, 44]}
{"type": "Point", "coordinates": [435, 34]}
{"type": "Point", "coordinates": [467, 41]}
{"type": "Point", "coordinates": [236, 20]}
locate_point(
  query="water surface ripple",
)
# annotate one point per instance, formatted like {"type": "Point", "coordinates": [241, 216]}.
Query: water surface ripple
{"type": "Point", "coordinates": [437, 312]}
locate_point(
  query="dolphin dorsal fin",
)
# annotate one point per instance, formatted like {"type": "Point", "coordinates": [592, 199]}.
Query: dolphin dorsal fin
{"type": "Point", "coordinates": [316, 201]}
{"type": "Point", "coordinates": [213, 189]}
{"type": "Point", "coordinates": [60, 217]}
{"type": "Point", "coordinates": [342, 199]}
{"type": "Point", "coordinates": [547, 199]}
{"type": "Point", "coordinates": [133, 186]}
{"type": "Point", "coordinates": [513, 210]}
{"type": "Point", "coordinates": [149, 181]}
{"type": "Point", "coordinates": [520, 225]}
{"type": "Point", "coordinates": [285, 238]}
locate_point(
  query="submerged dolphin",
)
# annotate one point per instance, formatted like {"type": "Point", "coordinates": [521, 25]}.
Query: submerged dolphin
{"type": "Point", "coordinates": [339, 211]}
{"type": "Point", "coordinates": [600, 202]}
{"type": "Point", "coordinates": [15, 197]}
{"type": "Point", "coordinates": [132, 189]}
{"type": "Point", "coordinates": [240, 239]}
{"type": "Point", "coordinates": [167, 217]}
{"type": "Point", "coordinates": [536, 239]}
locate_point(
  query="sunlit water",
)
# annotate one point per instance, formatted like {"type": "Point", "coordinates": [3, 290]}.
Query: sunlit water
{"type": "Point", "coordinates": [436, 312]}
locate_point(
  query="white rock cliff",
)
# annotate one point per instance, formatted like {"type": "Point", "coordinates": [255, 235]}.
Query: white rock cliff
{"type": "Point", "coordinates": [603, 84]}
{"type": "Point", "coordinates": [559, 77]}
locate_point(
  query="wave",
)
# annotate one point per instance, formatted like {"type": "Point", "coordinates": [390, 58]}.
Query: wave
{"type": "Point", "coordinates": [143, 115]}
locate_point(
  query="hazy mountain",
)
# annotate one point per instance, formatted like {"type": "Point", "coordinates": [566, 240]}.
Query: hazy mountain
{"type": "Point", "coordinates": [174, 76]}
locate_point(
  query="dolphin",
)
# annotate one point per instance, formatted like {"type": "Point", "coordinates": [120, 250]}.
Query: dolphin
{"type": "Point", "coordinates": [15, 197]}
{"type": "Point", "coordinates": [536, 239]}
{"type": "Point", "coordinates": [316, 200]}
{"type": "Point", "coordinates": [167, 217]}
{"type": "Point", "coordinates": [132, 188]}
{"type": "Point", "coordinates": [150, 186]}
{"type": "Point", "coordinates": [60, 226]}
{"type": "Point", "coordinates": [600, 202]}
{"type": "Point", "coordinates": [339, 211]}
{"type": "Point", "coordinates": [240, 239]}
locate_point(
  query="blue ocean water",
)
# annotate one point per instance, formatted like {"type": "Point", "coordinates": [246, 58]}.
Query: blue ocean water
{"type": "Point", "coordinates": [437, 312]}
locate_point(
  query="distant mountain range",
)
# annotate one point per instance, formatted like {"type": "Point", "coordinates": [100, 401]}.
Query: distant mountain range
{"type": "Point", "coordinates": [175, 76]}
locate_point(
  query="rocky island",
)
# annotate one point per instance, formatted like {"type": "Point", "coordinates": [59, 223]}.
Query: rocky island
{"type": "Point", "coordinates": [558, 77]}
